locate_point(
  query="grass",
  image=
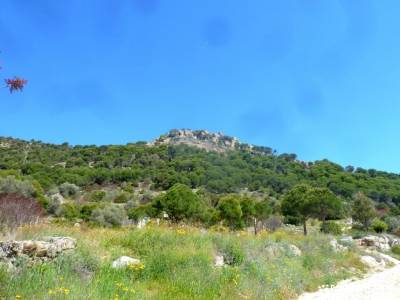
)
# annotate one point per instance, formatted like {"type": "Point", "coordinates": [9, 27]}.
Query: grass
{"type": "Point", "coordinates": [178, 264]}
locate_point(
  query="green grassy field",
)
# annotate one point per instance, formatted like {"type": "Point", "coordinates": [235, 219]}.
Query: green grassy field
{"type": "Point", "coordinates": [178, 264]}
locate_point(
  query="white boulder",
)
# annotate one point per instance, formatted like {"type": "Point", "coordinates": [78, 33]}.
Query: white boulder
{"type": "Point", "coordinates": [295, 250]}
{"type": "Point", "coordinates": [372, 263]}
{"type": "Point", "coordinates": [219, 261]}
{"type": "Point", "coordinates": [124, 261]}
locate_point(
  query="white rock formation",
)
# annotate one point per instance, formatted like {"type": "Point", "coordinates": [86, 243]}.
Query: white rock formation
{"type": "Point", "coordinates": [124, 261]}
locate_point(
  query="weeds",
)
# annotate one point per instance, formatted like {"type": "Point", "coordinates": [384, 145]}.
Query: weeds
{"type": "Point", "coordinates": [177, 263]}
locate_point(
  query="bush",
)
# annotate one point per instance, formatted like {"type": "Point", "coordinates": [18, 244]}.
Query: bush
{"type": "Point", "coordinates": [396, 249]}
{"type": "Point", "coordinates": [109, 216]}
{"type": "Point", "coordinates": [393, 223]}
{"type": "Point", "coordinates": [96, 196]}
{"type": "Point", "coordinates": [273, 223]}
{"type": "Point", "coordinates": [87, 210]}
{"type": "Point", "coordinates": [232, 251]}
{"type": "Point", "coordinates": [121, 198]}
{"type": "Point", "coordinates": [230, 211]}
{"type": "Point", "coordinates": [11, 185]}
{"type": "Point", "coordinates": [141, 211]}
{"type": "Point", "coordinates": [17, 210]}
{"type": "Point", "coordinates": [330, 227]}
{"type": "Point", "coordinates": [379, 226]}
{"type": "Point", "coordinates": [358, 234]}
{"type": "Point", "coordinates": [69, 211]}
{"type": "Point", "coordinates": [68, 189]}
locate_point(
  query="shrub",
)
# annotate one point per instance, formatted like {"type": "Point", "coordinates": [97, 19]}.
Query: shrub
{"type": "Point", "coordinates": [330, 227]}
{"type": "Point", "coordinates": [141, 211]}
{"type": "Point", "coordinates": [96, 196]}
{"type": "Point", "coordinates": [393, 223]}
{"type": "Point", "coordinates": [379, 226]}
{"type": "Point", "coordinates": [230, 211]}
{"type": "Point", "coordinates": [232, 251]}
{"type": "Point", "coordinates": [69, 211]}
{"type": "Point", "coordinates": [358, 235]}
{"type": "Point", "coordinates": [68, 189]}
{"type": "Point", "coordinates": [17, 210]}
{"type": "Point", "coordinates": [87, 210]}
{"type": "Point", "coordinates": [121, 198]}
{"type": "Point", "coordinates": [11, 185]}
{"type": "Point", "coordinates": [273, 223]}
{"type": "Point", "coordinates": [53, 205]}
{"type": "Point", "coordinates": [396, 249]}
{"type": "Point", "coordinates": [109, 216]}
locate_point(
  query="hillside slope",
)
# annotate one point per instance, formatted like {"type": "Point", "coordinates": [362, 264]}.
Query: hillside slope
{"type": "Point", "coordinates": [216, 162]}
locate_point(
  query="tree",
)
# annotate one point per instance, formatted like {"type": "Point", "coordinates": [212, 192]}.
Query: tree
{"type": "Point", "coordinates": [324, 203]}
{"type": "Point", "coordinates": [304, 202]}
{"type": "Point", "coordinates": [363, 210]}
{"type": "Point", "coordinates": [248, 206]}
{"type": "Point", "coordinates": [180, 203]}
{"type": "Point", "coordinates": [296, 205]}
{"type": "Point", "coordinates": [230, 211]}
{"type": "Point", "coordinates": [262, 212]}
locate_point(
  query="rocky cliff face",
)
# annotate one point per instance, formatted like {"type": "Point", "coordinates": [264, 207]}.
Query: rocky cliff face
{"type": "Point", "coordinates": [199, 138]}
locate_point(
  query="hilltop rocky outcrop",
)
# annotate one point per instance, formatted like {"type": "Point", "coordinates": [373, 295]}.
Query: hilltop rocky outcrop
{"type": "Point", "coordinates": [203, 139]}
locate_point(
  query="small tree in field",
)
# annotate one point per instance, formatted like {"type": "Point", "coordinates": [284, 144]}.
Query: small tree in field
{"type": "Point", "coordinates": [363, 210]}
{"type": "Point", "coordinates": [304, 202]}
{"type": "Point", "coordinates": [17, 210]}
{"type": "Point", "coordinates": [230, 211]}
{"type": "Point", "coordinates": [180, 203]}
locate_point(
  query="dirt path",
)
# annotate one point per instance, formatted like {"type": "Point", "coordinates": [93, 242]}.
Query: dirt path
{"type": "Point", "coordinates": [383, 286]}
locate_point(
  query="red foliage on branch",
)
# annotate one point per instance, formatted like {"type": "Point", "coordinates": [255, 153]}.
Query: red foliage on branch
{"type": "Point", "coordinates": [16, 84]}
{"type": "Point", "coordinates": [17, 210]}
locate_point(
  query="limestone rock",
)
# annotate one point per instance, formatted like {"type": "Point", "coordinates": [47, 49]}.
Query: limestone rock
{"type": "Point", "coordinates": [380, 243]}
{"type": "Point", "coordinates": [124, 261]}
{"type": "Point", "coordinates": [219, 261]}
{"type": "Point", "coordinates": [372, 263]}
{"type": "Point", "coordinates": [35, 251]}
{"type": "Point", "coordinates": [295, 250]}
{"type": "Point", "coordinates": [209, 141]}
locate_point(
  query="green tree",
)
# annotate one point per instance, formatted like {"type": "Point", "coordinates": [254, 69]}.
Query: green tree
{"type": "Point", "coordinates": [230, 211]}
{"type": "Point", "coordinates": [304, 202]}
{"type": "Point", "coordinates": [324, 203]}
{"type": "Point", "coordinates": [363, 210]}
{"type": "Point", "coordinates": [180, 203]}
{"type": "Point", "coordinates": [248, 206]}
{"type": "Point", "coordinates": [263, 212]}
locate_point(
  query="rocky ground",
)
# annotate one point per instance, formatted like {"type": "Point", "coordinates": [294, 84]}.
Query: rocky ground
{"type": "Point", "coordinates": [384, 285]}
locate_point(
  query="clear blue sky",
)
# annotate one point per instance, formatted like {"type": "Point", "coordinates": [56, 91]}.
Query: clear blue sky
{"type": "Point", "coordinates": [317, 78]}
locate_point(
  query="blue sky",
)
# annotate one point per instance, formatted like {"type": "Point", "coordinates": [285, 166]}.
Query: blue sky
{"type": "Point", "coordinates": [317, 78]}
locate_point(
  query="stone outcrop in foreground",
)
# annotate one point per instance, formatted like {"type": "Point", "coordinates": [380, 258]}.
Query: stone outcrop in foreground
{"type": "Point", "coordinates": [34, 250]}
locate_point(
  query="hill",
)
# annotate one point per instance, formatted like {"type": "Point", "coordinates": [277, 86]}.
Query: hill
{"type": "Point", "coordinates": [199, 159]}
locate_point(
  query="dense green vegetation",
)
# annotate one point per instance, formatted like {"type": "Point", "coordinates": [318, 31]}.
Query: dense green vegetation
{"type": "Point", "coordinates": [163, 166]}
{"type": "Point", "coordinates": [110, 185]}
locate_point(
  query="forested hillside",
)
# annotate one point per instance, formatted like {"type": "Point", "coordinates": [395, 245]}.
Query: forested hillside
{"type": "Point", "coordinates": [159, 166]}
